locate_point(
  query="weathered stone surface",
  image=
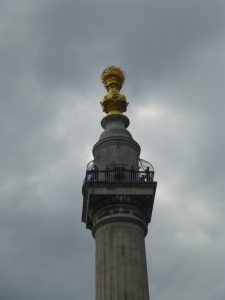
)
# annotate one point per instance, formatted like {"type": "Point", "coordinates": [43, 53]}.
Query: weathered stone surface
{"type": "Point", "coordinates": [118, 213]}
{"type": "Point", "coordinates": [121, 270]}
{"type": "Point", "coordinates": [116, 147]}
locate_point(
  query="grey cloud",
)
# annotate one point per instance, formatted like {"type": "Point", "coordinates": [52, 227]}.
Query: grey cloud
{"type": "Point", "coordinates": [52, 54]}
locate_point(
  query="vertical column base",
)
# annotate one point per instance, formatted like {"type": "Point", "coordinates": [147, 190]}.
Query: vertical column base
{"type": "Point", "coordinates": [121, 269]}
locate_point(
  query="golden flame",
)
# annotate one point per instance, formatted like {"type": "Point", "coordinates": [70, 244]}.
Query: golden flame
{"type": "Point", "coordinates": [114, 103]}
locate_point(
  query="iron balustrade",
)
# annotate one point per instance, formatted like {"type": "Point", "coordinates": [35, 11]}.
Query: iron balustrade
{"type": "Point", "coordinates": [125, 176]}
{"type": "Point", "coordinates": [142, 165]}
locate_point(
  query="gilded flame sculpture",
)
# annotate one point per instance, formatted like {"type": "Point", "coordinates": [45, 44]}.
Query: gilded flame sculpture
{"type": "Point", "coordinates": [114, 103]}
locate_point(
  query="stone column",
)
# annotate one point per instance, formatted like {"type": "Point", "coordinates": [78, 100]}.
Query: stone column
{"type": "Point", "coordinates": [121, 269]}
{"type": "Point", "coordinates": [118, 201]}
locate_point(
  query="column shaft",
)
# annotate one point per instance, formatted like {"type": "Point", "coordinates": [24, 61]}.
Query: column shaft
{"type": "Point", "coordinates": [121, 271]}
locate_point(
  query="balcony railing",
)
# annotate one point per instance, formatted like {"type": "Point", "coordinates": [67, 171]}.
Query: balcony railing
{"type": "Point", "coordinates": [142, 165]}
{"type": "Point", "coordinates": [116, 176]}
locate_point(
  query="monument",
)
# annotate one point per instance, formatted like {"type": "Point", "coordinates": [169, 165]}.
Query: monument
{"type": "Point", "coordinates": [118, 196]}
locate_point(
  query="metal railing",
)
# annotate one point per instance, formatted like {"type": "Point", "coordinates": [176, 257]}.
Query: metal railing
{"type": "Point", "coordinates": [142, 165]}
{"type": "Point", "coordinates": [125, 176]}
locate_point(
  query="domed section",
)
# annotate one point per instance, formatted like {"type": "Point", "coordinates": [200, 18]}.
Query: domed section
{"type": "Point", "coordinates": [115, 126]}
{"type": "Point", "coordinates": [116, 132]}
{"type": "Point", "coordinates": [114, 119]}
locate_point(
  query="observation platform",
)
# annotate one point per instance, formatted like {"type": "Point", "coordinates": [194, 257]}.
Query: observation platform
{"type": "Point", "coordinates": [103, 188]}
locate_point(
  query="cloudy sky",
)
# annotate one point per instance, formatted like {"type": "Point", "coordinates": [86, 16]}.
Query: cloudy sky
{"type": "Point", "coordinates": [51, 56]}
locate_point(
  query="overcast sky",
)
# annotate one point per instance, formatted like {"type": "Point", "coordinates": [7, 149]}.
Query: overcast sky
{"type": "Point", "coordinates": [51, 56]}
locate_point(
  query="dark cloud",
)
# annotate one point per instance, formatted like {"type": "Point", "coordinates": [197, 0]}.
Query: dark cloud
{"type": "Point", "coordinates": [52, 54]}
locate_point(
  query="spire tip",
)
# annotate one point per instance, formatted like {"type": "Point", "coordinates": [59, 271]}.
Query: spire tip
{"type": "Point", "coordinates": [114, 103]}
